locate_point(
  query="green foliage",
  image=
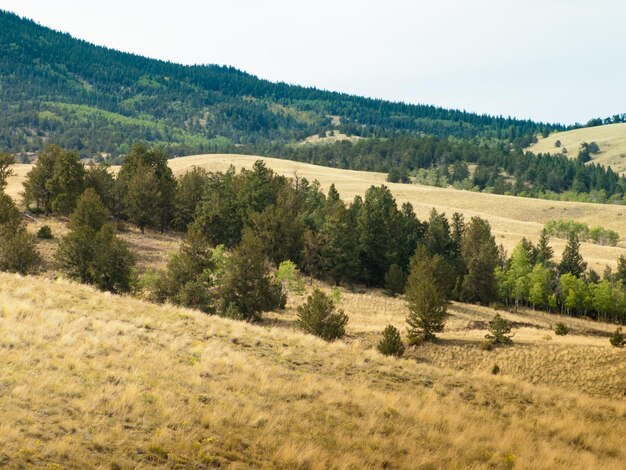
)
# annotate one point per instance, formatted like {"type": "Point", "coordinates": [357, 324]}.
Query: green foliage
{"type": "Point", "coordinates": [189, 279]}
{"type": "Point", "coordinates": [248, 283]}
{"type": "Point", "coordinates": [391, 342]}
{"type": "Point", "coordinates": [617, 338]}
{"type": "Point", "coordinates": [561, 329]}
{"type": "Point", "coordinates": [91, 253]}
{"type": "Point", "coordinates": [398, 175]}
{"type": "Point", "coordinates": [287, 274]}
{"type": "Point", "coordinates": [6, 161]}
{"type": "Point", "coordinates": [395, 280]}
{"type": "Point", "coordinates": [480, 255]}
{"type": "Point", "coordinates": [45, 233]}
{"type": "Point", "coordinates": [318, 316]}
{"type": "Point", "coordinates": [499, 331]}
{"type": "Point", "coordinates": [189, 193]}
{"type": "Point", "coordinates": [18, 252]}
{"type": "Point", "coordinates": [572, 261]}
{"type": "Point", "coordinates": [426, 303]}
{"type": "Point", "coordinates": [567, 228]}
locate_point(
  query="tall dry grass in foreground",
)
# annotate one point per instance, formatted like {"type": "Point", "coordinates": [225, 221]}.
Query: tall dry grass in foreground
{"type": "Point", "coordinates": [91, 380]}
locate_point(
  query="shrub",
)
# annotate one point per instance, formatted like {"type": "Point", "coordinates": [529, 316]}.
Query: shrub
{"type": "Point", "coordinates": [391, 342]}
{"type": "Point", "coordinates": [561, 329]}
{"type": "Point", "coordinates": [18, 252]}
{"type": "Point", "coordinates": [495, 370]}
{"type": "Point", "coordinates": [318, 316]}
{"type": "Point", "coordinates": [499, 331]}
{"type": "Point", "coordinates": [45, 232]}
{"type": "Point", "coordinates": [617, 338]}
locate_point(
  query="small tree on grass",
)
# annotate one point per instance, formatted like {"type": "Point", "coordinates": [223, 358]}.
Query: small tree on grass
{"type": "Point", "coordinates": [288, 275]}
{"type": "Point", "coordinates": [617, 338]}
{"type": "Point", "coordinates": [391, 342]}
{"type": "Point", "coordinates": [560, 329]}
{"type": "Point", "coordinates": [319, 317]}
{"type": "Point", "coordinates": [499, 331]}
{"type": "Point", "coordinates": [428, 308]}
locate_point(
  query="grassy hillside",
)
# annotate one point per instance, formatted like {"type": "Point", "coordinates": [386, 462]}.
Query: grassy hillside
{"type": "Point", "coordinates": [55, 88]}
{"type": "Point", "coordinates": [611, 139]}
{"type": "Point", "coordinates": [511, 217]}
{"type": "Point", "coordinates": [95, 380]}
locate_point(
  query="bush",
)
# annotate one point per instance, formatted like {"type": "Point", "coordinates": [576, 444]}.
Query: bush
{"type": "Point", "coordinates": [499, 331]}
{"type": "Point", "coordinates": [391, 342]}
{"type": "Point", "coordinates": [18, 252]}
{"type": "Point", "coordinates": [495, 370]}
{"type": "Point", "coordinates": [617, 338]}
{"type": "Point", "coordinates": [318, 316]}
{"type": "Point", "coordinates": [561, 329]}
{"type": "Point", "coordinates": [45, 232]}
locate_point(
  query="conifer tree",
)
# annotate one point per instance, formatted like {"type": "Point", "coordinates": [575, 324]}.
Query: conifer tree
{"type": "Point", "coordinates": [545, 253]}
{"type": "Point", "coordinates": [391, 342]}
{"type": "Point", "coordinates": [572, 261]}
{"type": "Point", "coordinates": [480, 256]}
{"type": "Point", "coordinates": [499, 331]}
{"type": "Point", "coordinates": [318, 316]}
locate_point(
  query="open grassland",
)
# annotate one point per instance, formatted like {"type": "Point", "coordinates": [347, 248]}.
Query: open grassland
{"type": "Point", "coordinates": [511, 217]}
{"type": "Point", "coordinates": [92, 380]}
{"type": "Point", "coordinates": [610, 138]}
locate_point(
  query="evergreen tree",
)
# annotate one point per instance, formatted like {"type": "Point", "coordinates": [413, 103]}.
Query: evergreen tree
{"type": "Point", "coordinates": [18, 251]}
{"type": "Point", "coordinates": [100, 179]}
{"type": "Point", "coordinates": [248, 287]}
{"type": "Point", "coordinates": [318, 316]}
{"type": "Point", "coordinates": [391, 342]}
{"type": "Point", "coordinates": [66, 183]}
{"type": "Point", "coordinates": [572, 261]}
{"type": "Point", "coordinates": [143, 196]}
{"type": "Point", "coordinates": [545, 253]}
{"type": "Point", "coordinates": [499, 331]}
{"type": "Point", "coordinates": [6, 161]}
{"type": "Point", "coordinates": [338, 253]}
{"type": "Point", "coordinates": [427, 306]}
{"type": "Point", "coordinates": [189, 193]}
{"type": "Point", "coordinates": [480, 256]}
{"type": "Point", "coordinates": [394, 280]}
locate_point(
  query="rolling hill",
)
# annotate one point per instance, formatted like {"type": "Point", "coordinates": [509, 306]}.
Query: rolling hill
{"type": "Point", "coordinates": [55, 88]}
{"type": "Point", "coordinates": [93, 380]}
{"type": "Point", "coordinates": [611, 139]}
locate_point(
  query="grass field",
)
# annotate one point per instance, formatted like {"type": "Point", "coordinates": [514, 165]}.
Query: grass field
{"type": "Point", "coordinates": [92, 380]}
{"type": "Point", "coordinates": [511, 217]}
{"type": "Point", "coordinates": [610, 138]}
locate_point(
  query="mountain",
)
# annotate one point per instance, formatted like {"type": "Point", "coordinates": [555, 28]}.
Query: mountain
{"type": "Point", "coordinates": [55, 88]}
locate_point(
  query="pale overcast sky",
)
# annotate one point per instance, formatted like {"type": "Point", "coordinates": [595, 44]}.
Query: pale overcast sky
{"type": "Point", "coordinates": [551, 60]}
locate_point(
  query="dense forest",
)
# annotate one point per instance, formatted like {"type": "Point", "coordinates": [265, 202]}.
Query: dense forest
{"type": "Point", "coordinates": [57, 89]}
{"type": "Point", "coordinates": [243, 226]}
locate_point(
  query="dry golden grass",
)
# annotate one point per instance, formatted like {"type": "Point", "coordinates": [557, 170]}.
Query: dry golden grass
{"type": "Point", "coordinates": [91, 380]}
{"type": "Point", "coordinates": [611, 139]}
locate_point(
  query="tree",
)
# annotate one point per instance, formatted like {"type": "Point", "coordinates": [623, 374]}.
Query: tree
{"type": "Point", "coordinates": [545, 253]}
{"type": "Point", "coordinates": [91, 253]}
{"type": "Point", "coordinates": [617, 338]}
{"type": "Point", "coordinates": [572, 261]}
{"type": "Point", "coordinates": [620, 273]}
{"type": "Point", "coordinates": [18, 252]}
{"type": "Point", "coordinates": [499, 331]}
{"type": "Point", "coordinates": [101, 180]}
{"type": "Point", "coordinates": [248, 286]}
{"type": "Point", "coordinates": [189, 193]}
{"type": "Point", "coordinates": [480, 256]}
{"type": "Point", "coordinates": [518, 274]}
{"type": "Point", "coordinates": [190, 277]}
{"type": "Point", "coordinates": [394, 280]}
{"type": "Point", "coordinates": [338, 253]}
{"type": "Point", "coordinates": [157, 191]}
{"type": "Point", "coordinates": [318, 316]}
{"type": "Point", "coordinates": [6, 161]}
{"type": "Point", "coordinates": [540, 286]}
{"type": "Point", "coordinates": [427, 305]}
{"type": "Point", "coordinates": [391, 342]}
{"type": "Point", "coordinates": [142, 199]}
{"type": "Point", "coordinates": [287, 274]}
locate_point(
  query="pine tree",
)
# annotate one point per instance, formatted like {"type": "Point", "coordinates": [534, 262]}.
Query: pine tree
{"type": "Point", "coordinates": [318, 316]}
{"type": "Point", "coordinates": [248, 286]}
{"type": "Point", "coordinates": [189, 193]}
{"type": "Point", "coordinates": [6, 161]}
{"type": "Point", "coordinates": [545, 253]}
{"type": "Point", "coordinates": [617, 338]}
{"type": "Point", "coordinates": [142, 199]}
{"type": "Point", "coordinates": [391, 342]}
{"type": "Point", "coordinates": [480, 256]}
{"type": "Point", "coordinates": [394, 280]}
{"type": "Point", "coordinates": [499, 331]}
{"type": "Point", "coordinates": [427, 305]}
{"type": "Point", "coordinates": [572, 261]}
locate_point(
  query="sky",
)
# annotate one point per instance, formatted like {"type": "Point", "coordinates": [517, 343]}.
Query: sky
{"type": "Point", "coordinates": [548, 60]}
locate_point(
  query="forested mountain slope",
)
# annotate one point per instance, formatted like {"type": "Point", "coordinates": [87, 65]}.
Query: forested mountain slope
{"type": "Point", "coordinates": [55, 88]}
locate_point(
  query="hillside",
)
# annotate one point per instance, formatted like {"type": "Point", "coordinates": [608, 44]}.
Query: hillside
{"type": "Point", "coordinates": [511, 217]}
{"type": "Point", "coordinates": [610, 138]}
{"type": "Point", "coordinates": [124, 384]}
{"type": "Point", "coordinates": [54, 88]}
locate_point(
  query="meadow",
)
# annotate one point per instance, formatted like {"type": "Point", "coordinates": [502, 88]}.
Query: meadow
{"type": "Point", "coordinates": [611, 139]}
{"type": "Point", "coordinates": [93, 380]}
